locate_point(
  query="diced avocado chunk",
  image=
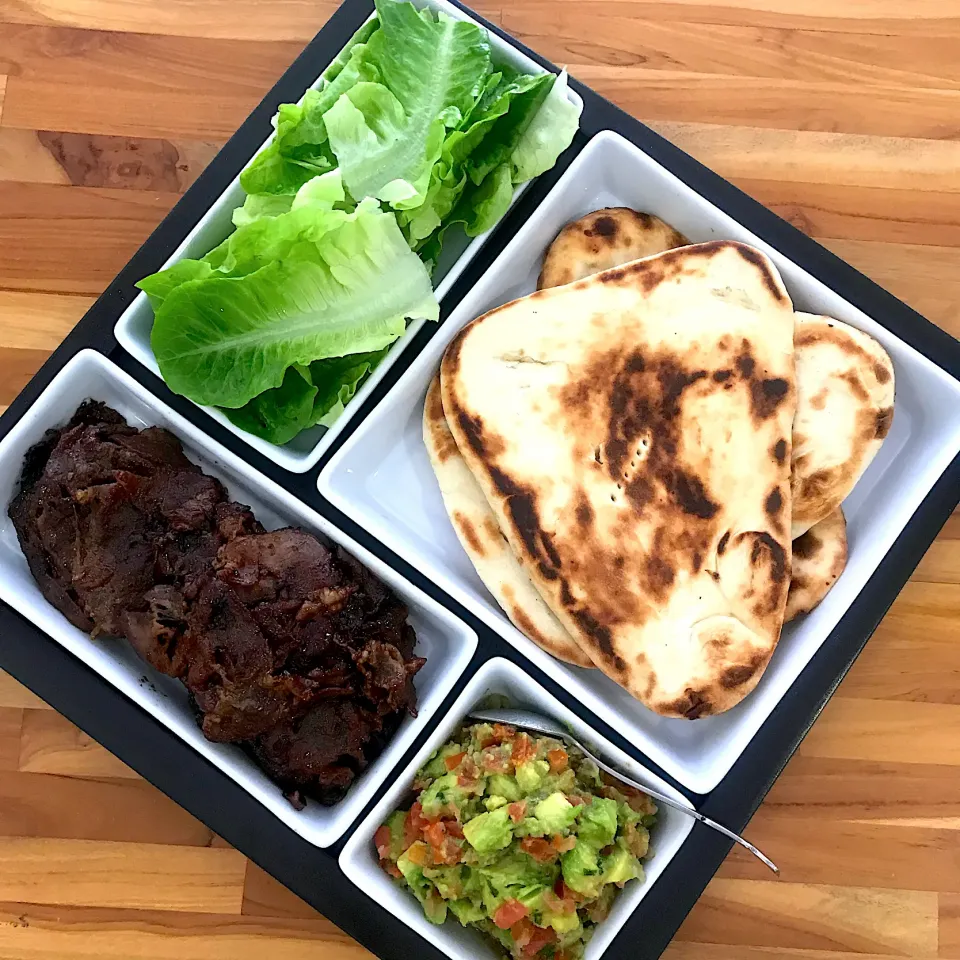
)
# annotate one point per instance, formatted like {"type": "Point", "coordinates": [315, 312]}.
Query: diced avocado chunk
{"type": "Point", "coordinates": [500, 785]}
{"type": "Point", "coordinates": [413, 873]}
{"type": "Point", "coordinates": [581, 869]}
{"type": "Point", "coordinates": [561, 922]}
{"type": "Point", "coordinates": [489, 831]}
{"type": "Point", "coordinates": [598, 823]}
{"type": "Point", "coordinates": [514, 876]}
{"type": "Point", "coordinates": [530, 775]}
{"type": "Point", "coordinates": [494, 803]}
{"type": "Point", "coordinates": [443, 795]}
{"type": "Point", "coordinates": [621, 866]}
{"type": "Point", "coordinates": [436, 767]}
{"type": "Point", "coordinates": [556, 813]}
{"type": "Point", "coordinates": [395, 824]}
{"type": "Point", "coordinates": [466, 911]}
{"type": "Point", "coordinates": [447, 880]}
{"type": "Point", "coordinates": [436, 909]}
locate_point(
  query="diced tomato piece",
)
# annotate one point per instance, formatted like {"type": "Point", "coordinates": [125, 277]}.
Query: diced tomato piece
{"type": "Point", "coordinates": [452, 762]}
{"type": "Point", "coordinates": [434, 834]}
{"type": "Point", "coordinates": [538, 848]}
{"type": "Point", "coordinates": [467, 783]}
{"type": "Point", "coordinates": [522, 932]}
{"type": "Point", "coordinates": [641, 803]}
{"type": "Point", "coordinates": [410, 832]}
{"type": "Point", "coordinates": [523, 749]}
{"type": "Point", "coordinates": [558, 760]}
{"type": "Point", "coordinates": [391, 868]}
{"type": "Point", "coordinates": [517, 810]}
{"type": "Point", "coordinates": [563, 844]}
{"type": "Point", "coordinates": [469, 768]}
{"type": "Point", "coordinates": [576, 800]}
{"type": "Point", "coordinates": [557, 904]}
{"type": "Point", "coordinates": [502, 733]}
{"type": "Point", "coordinates": [448, 853]}
{"type": "Point", "coordinates": [414, 824]}
{"type": "Point", "coordinates": [508, 913]}
{"type": "Point", "coordinates": [381, 840]}
{"type": "Point", "coordinates": [564, 892]}
{"type": "Point", "coordinates": [453, 828]}
{"type": "Point", "coordinates": [541, 938]}
{"type": "Point", "coordinates": [493, 761]}
{"type": "Point", "coordinates": [418, 853]}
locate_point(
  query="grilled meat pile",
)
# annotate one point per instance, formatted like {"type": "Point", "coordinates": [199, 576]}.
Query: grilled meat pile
{"type": "Point", "coordinates": [289, 647]}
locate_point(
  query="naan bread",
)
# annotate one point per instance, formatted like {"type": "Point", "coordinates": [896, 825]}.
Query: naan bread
{"type": "Point", "coordinates": [479, 533]}
{"type": "Point", "coordinates": [603, 239]}
{"type": "Point", "coordinates": [845, 393]}
{"type": "Point", "coordinates": [632, 434]}
{"type": "Point", "coordinates": [819, 557]}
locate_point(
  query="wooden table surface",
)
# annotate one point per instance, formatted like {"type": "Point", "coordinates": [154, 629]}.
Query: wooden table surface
{"type": "Point", "coordinates": [842, 115]}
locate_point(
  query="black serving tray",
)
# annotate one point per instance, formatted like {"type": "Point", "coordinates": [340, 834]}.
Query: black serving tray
{"type": "Point", "coordinates": [166, 761]}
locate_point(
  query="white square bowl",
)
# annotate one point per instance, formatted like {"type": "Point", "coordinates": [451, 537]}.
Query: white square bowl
{"type": "Point", "coordinates": [382, 478]}
{"type": "Point", "coordinates": [502, 678]}
{"type": "Point", "coordinates": [446, 642]}
{"type": "Point", "coordinates": [304, 451]}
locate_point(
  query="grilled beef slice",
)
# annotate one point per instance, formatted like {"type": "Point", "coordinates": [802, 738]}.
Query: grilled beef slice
{"type": "Point", "coordinates": [289, 647]}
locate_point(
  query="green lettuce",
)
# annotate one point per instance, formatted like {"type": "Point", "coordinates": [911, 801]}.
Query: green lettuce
{"type": "Point", "coordinates": [299, 150]}
{"type": "Point", "coordinates": [223, 340]}
{"type": "Point", "coordinates": [549, 133]}
{"type": "Point", "coordinates": [410, 132]}
{"type": "Point", "coordinates": [307, 396]}
{"type": "Point", "coordinates": [387, 136]}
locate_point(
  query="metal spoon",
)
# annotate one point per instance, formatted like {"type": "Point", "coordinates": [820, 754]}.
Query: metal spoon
{"type": "Point", "coordinates": [534, 722]}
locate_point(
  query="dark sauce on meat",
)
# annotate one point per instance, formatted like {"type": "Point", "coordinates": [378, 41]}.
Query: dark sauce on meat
{"type": "Point", "coordinates": [288, 647]}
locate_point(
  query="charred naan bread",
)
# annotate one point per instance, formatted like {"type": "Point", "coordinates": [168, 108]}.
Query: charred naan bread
{"type": "Point", "coordinates": [819, 557]}
{"type": "Point", "coordinates": [479, 533]}
{"type": "Point", "coordinates": [636, 452]}
{"type": "Point", "coordinates": [845, 393]}
{"type": "Point", "coordinates": [603, 239]}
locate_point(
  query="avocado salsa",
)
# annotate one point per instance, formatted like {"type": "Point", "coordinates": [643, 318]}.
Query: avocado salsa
{"type": "Point", "coordinates": [519, 837]}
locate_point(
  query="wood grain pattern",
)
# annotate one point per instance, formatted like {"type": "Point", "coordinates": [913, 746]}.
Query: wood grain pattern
{"type": "Point", "coordinates": [841, 115]}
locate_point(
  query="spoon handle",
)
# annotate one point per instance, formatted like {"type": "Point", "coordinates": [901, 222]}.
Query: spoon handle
{"type": "Point", "coordinates": [670, 802]}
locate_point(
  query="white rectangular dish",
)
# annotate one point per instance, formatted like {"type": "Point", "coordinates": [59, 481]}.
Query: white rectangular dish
{"type": "Point", "coordinates": [501, 678]}
{"type": "Point", "coordinates": [304, 451]}
{"type": "Point", "coordinates": [382, 478]}
{"type": "Point", "coordinates": [446, 642]}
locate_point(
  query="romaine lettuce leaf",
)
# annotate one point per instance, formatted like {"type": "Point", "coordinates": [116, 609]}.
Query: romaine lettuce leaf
{"type": "Point", "coordinates": [299, 150]}
{"type": "Point", "coordinates": [255, 241]}
{"type": "Point", "coordinates": [282, 321]}
{"type": "Point", "coordinates": [224, 340]}
{"type": "Point", "coordinates": [512, 106]}
{"type": "Point", "coordinates": [337, 380]}
{"type": "Point", "coordinates": [388, 135]}
{"type": "Point", "coordinates": [159, 285]}
{"type": "Point", "coordinates": [550, 133]}
{"type": "Point", "coordinates": [278, 415]}
{"type": "Point", "coordinates": [307, 396]}
{"type": "Point", "coordinates": [258, 206]}
{"type": "Point", "coordinates": [484, 206]}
